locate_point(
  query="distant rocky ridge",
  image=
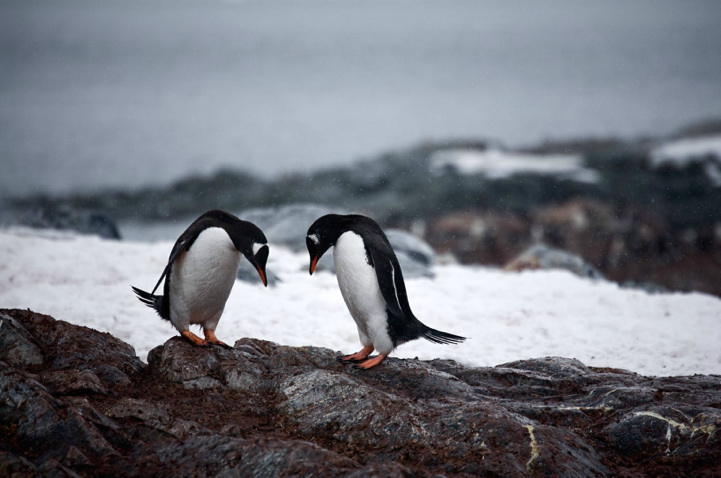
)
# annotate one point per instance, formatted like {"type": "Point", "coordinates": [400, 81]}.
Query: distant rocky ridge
{"type": "Point", "coordinates": [77, 402]}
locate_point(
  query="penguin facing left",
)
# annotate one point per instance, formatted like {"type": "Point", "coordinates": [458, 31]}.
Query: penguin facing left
{"type": "Point", "coordinates": [371, 283]}
{"type": "Point", "coordinates": [201, 272]}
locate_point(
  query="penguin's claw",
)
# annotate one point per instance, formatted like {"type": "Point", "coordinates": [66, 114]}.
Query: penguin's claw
{"type": "Point", "coordinates": [371, 362]}
{"type": "Point", "coordinates": [358, 356]}
{"type": "Point", "coordinates": [210, 338]}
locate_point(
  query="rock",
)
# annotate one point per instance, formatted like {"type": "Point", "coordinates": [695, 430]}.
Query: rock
{"type": "Point", "coordinates": [484, 237]}
{"type": "Point", "coordinates": [16, 344]}
{"type": "Point", "coordinates": [630, 244]}
{"type": "Point", "coordinates": [66, 218]}
{"type": "Point", "coordinates": [89, 407]}
{"type": "Point", "coordinates": [412, 246]}
{"type": "Point", "coordinates": [66, 346]}
{"type": "Point", "coordinates": [414, 254]}
{"type": "Point", "coordinates": [235, 368]}
{"type": "Point", "coordinates": [540, 256]}
{"type": "Point", "coordinates": [216, 455]}
{"type": "Point", "coordinates": [72, 382]}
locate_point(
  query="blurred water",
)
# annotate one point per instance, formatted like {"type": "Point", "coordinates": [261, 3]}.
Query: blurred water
{"type": "Point", "coordinates": [97, 93]}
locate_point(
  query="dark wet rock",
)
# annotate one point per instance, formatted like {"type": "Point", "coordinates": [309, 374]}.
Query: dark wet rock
{"type": "Point", "coordinates": [17, 346]}
{"type": "Point", "coordinates": [235, 368]}
{"type": "Point", "coordinates": [65, 346]}
{"type": "Point", "coordinates": [664, 431]}
{"type": "Point", "coordinates": [72, 382]}
{"type": "Point", "coordinates": [89, 407]}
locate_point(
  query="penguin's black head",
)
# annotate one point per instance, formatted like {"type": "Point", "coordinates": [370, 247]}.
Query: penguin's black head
{"type": "Point", "coordinates": [251, 242]}
{"type": "Point", "coordinates": [323, 234]}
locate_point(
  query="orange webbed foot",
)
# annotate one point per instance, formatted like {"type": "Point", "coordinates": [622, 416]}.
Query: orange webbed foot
{"type": "Point", "coordinates": [371, 362]}
{"type": "Point", "coordinates": [358, 356]}
{"type": "Point", "coordinates": [212, 339]}
{"type": "Point", "coordinates": [194, 339]}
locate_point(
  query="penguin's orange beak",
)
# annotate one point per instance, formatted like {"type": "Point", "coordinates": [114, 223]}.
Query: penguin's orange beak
{"type": "Point", "coordinates": [313, 263]}
{"type": "Point", "coordinates": [261, 273]}
{"type": "Point", "coordinates": [259, 261]}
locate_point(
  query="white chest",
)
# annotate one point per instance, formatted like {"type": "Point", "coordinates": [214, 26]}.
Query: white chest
{"type": "Point", "coordinates": [358, 282]}
{"type": "Point", "coordinates": [203, 277]}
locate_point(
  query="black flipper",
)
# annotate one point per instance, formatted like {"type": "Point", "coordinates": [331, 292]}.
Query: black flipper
{"type": "Point", "coordinates": [181, 245]}
{"type": "Point", "coordinates": [160, 302]}
{"type": "Point", "coordinates": [390, 280]}
{"type": "Point", "coordinates": [404, 325]}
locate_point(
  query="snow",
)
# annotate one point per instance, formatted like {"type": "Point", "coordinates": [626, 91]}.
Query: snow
{"type": "Point", "coordinates": [683, 152]}
{"type": "Point", "coordinates": [507, 316]}
{"type": "Point", "coordinates": [498, 164]}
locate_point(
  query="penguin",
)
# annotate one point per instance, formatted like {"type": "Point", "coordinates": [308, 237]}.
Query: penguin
{"type": "Point", "coordinates": [201, 272]}
{"type": "Point", "coordinates": [371, 283]}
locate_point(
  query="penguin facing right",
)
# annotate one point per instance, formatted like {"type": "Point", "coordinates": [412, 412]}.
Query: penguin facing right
{"type": "Point", "coordinates": [201, 272]}
{"type": "Point", "coordinates": [371, 283]}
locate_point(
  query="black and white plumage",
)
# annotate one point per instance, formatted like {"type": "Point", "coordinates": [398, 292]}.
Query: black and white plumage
{"type": "Point", "coordinates": [201, 272]}
{"type": "Point", "coordinates": [371, 282]}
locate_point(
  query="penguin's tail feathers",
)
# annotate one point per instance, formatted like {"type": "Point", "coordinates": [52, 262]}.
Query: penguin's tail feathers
{"type": "Point", "coordinates": [438, 337]}
{"type": "Point", "coordinates": [152, 301]}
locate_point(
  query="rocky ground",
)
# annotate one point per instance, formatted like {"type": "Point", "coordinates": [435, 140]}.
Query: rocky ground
{"type": "Point", "coordinates": [74, 401]}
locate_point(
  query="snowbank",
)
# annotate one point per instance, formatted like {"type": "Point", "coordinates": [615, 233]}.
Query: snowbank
{"type": "Point", "coordinates": [508, 316]}
{"type": "Point", "coordinates": [683, 152]}
{"type": "Point", "coordinates": [497, 164]}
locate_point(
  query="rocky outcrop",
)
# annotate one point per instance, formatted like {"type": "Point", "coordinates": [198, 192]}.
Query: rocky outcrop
{"type": "Point", "coordinates": [629, 245]}
{"type": "Point", "coordinates": [68, 218]}
{"type": "Point", "coordinates": [75, 401]}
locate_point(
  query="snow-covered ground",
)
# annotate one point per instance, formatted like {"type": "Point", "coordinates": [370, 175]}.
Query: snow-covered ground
{"type": "Point", "coordinates": [508, 316]}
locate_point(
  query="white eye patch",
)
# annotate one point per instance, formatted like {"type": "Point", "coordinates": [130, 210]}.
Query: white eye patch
{"type": "Point", "coordinates": [256, 247]}
{"type": "Point", "coordinates": [313, 238]}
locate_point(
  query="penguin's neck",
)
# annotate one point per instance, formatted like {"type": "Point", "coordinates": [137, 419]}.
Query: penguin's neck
{"type": "Point", "coordinates": [350, 251]}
